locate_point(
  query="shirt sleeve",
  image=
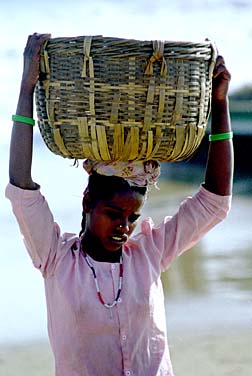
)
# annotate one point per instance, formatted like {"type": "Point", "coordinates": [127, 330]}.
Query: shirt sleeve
{"type": "Point", "coordinates": [195, 217]}
{"type": "Point", "coordinates": [41, 234]}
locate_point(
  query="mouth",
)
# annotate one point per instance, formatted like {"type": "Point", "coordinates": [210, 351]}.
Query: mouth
{"type": "Point", "coordinates": [119, 238]}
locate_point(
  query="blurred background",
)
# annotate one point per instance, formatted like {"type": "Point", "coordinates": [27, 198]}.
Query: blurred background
{"type": "Point", "coordinates": [209, 287]}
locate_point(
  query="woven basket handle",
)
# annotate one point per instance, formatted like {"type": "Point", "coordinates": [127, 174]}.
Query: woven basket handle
{"type": "Point", "coordinates": [158, 55]}
{"type": "Point", "coordinates": [87, 58]}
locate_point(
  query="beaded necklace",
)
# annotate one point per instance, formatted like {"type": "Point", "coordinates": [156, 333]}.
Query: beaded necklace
{"type": "Point", "coordinates": [107, 305]}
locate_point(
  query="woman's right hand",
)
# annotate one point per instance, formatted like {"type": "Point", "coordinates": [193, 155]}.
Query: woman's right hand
{"type": "Point", "coordinates": [31, 60]}
{"type": "Point", "coordinates": [22, 134]}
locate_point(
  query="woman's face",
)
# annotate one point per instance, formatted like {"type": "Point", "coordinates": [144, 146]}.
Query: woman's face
{"type": "Point", "coordinates": [109, 223]}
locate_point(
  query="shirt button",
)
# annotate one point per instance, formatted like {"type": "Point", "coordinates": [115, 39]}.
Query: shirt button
{"type": "Point", "coordinates": [127, 373]}
{"type": "Point", "coordinates": [124, 337]}
{"type": "Point", "coordinates": [119, 300]}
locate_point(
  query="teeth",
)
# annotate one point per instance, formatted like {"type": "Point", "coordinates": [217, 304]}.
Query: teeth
{"type": "Point", "coordinates": [117, 239]}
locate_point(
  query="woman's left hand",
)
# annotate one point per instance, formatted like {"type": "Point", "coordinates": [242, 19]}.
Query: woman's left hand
{"type": "Point", "coordinates": [221, 80]}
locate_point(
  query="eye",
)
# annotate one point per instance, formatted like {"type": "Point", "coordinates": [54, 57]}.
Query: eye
{"type": "Point", "coordinates": [113, 214]}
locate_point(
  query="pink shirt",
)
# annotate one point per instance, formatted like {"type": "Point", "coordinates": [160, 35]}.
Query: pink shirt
{"type": "Point", "coordinates": [130, 339]}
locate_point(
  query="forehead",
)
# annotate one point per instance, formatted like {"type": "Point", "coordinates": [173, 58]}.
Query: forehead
{"type": "Point", "coordinates": [129, 200]}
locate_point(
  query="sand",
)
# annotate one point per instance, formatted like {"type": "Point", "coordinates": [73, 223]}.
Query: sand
{"type": "Point", "coordinates": [227, 353]}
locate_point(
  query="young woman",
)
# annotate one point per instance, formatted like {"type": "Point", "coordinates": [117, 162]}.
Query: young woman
{"type": "Point", "coordinates": [103, 290]}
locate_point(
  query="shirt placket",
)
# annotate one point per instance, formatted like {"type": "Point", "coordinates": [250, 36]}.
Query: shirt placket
{"type": "Point", "coordinates": [122, 319]}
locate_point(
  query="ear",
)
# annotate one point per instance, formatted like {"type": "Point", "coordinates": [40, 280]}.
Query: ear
{"type": "Point", "coordinates": [86, 203]}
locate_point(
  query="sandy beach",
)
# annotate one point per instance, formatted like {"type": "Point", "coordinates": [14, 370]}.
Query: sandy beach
{"type": "Point", "coordinates": [193, 354]}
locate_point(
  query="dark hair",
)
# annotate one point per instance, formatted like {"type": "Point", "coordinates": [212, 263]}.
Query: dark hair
{"type": "Point", "coordinates": [101, 187]}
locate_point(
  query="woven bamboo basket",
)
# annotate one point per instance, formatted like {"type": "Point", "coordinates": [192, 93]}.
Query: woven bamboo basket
{"type": "Point", "coordinates": [117, 99]}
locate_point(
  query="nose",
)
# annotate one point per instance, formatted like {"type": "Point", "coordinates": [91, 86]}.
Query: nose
{"type": "Point", "coordinates": [124, 227]}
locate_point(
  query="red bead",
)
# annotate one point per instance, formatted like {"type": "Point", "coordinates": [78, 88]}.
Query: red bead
{"type": "Point", "coordinates": [100, 298]}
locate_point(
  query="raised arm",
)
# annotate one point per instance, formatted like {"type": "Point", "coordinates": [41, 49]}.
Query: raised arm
{"type": "Point", "coordinates": [22, 134]}
{"type": "Point", "coordinates": [219, 169]}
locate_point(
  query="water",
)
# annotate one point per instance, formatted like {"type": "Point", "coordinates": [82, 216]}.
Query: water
{"type": "Point", "coordinates": [209, 286]}
{"type": "Point", "coordinates": [212, 283]}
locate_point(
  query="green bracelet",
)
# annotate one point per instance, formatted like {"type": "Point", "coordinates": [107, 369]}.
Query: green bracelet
{"type": "Point", "coordinates": [23, 119]}
{"type": "Point", "coordinates": [221, 136]}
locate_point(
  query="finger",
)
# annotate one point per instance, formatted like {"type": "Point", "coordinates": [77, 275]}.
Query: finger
{"type": "Point", "coordinates": [38, 38]}
{"type": "Point", "coordinates": [221, 70]}
{"type": "Point", "coordinates": [35, 41]}
{"type": "Point", "coordinates": [220, 60]}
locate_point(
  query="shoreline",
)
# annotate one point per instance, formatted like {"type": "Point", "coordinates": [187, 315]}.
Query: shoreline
{"type": "Point", "coordinates": [209, 352]}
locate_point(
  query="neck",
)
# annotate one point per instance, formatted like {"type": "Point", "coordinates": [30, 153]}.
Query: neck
{"type": "Point", "coordinates": [97, 252]}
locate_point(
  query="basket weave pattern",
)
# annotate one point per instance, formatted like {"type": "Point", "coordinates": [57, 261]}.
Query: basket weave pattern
{"type": "Point", "coordinates": [117, 99]}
